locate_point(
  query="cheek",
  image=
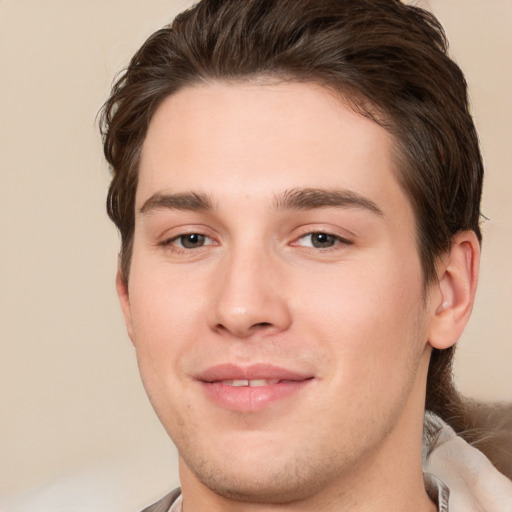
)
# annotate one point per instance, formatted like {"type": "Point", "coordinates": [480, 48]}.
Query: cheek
{"type": "Point", "coordinates": [167, 317]}
{"type": "Point", "coordinates": [165, 304]}
{"type": "Point", "coordinates": [165, 324]}
{"type": "Point", "coordinates": [369, 320]}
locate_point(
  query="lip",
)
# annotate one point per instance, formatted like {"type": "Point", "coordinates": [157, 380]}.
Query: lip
{"type": "Point", "coordinates": [284, 384]}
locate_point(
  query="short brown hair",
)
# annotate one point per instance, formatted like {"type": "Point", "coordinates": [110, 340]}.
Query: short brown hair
{"type": "Point", "coordinates": [386, 58]}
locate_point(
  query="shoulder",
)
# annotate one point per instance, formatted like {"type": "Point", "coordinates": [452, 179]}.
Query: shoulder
{"type": "Point", "coordinates": [474, 483]}
{"type": "Point", "coordinates": [165, 503]}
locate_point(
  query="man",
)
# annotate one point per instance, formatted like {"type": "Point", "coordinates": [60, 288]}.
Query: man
{"type": "Point", "coordinates": [297, 186]}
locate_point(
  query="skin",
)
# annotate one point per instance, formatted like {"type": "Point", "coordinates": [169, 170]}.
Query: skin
{"type": "Point", "coordinates": [256, 287]}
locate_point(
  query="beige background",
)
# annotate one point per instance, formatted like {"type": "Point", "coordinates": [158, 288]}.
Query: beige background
{"type": "Point", "coordinates": [74, 420]}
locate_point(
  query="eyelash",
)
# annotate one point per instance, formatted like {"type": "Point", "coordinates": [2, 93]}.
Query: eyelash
{"type": "Point", "coordinates": [335, 239]}
{"type": "Point", "coordinates": [170, 242]}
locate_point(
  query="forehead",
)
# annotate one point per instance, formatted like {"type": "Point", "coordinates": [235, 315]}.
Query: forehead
{"type": "Point", "coordinates": [240, 139]}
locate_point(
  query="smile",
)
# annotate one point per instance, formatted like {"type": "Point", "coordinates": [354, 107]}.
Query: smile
{"type": "Point", "coordinates": [253, 388]}
{"type": "Point", "coordinates": [253, 383]}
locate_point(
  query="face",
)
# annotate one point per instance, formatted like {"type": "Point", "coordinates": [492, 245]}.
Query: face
{"type": "Point", "coordinates": [275, 296]}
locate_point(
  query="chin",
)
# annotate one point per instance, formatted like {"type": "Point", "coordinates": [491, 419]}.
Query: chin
{"type": "Point", "coordinates": [269, 489]}
{"type": "Point", "coordinates": [269, 481]}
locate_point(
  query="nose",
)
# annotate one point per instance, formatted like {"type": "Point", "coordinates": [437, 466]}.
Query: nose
{"type": "Point", "coordinates": [250, 296]}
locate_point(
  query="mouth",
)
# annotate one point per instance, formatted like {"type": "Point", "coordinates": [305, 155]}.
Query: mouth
{"type": "Point", "coordinates": [253, 383]}
{"type": "Point", "coordinates": [252, 388]}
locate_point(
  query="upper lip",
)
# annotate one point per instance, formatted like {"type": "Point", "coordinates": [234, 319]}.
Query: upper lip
{"type": "Point", "coordinates": [229, 371]}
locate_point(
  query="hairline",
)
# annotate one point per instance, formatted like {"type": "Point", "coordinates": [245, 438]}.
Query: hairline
{"type": "Point", "coordinates": [347, 95]}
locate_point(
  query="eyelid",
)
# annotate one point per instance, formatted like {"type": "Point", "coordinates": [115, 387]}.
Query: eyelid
{"type": "Point", "coordinates": [346, 239]}
{"type": "Point", "coordinates": [167, 239]}
{"type": "Point", "coordinates": [338, 240]}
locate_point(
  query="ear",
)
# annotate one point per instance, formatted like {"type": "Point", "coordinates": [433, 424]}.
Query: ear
{"type": "Point", "coordinates": [453, 295]}
{"type": "Point", "coordinates": [124, 300]}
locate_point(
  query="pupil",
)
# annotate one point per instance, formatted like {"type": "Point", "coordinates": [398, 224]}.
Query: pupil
{"type": "Point", "coordinates": [193, 240]}
{"type": "Point", "coordinates": [320, 240]}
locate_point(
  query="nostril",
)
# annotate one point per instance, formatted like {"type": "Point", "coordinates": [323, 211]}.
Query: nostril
{"type": "Point", "coordinates": [242, 331]}
{"type": "Point", "coordinates": [262, 324]}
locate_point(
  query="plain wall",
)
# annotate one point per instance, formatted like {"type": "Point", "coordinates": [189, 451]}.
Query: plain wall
{"type": "Point", "coordinates": [73, 415]}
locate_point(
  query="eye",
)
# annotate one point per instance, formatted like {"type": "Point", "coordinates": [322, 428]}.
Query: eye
{"type": "Point", "coordinates": [321, 240]}
{"type": "Point", "coordinates": [190, 241]}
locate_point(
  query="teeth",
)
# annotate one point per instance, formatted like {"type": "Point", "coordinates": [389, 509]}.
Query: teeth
{"type": "Point", "coordinates": [236, 383]}
{"type": "Point", "coordinates": [254, 383]}
{"type": "Point", "coordinates": [261, 382]}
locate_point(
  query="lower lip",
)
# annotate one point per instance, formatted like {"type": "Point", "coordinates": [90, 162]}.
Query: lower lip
{"type": "Point", "coordinates": [252, 399]}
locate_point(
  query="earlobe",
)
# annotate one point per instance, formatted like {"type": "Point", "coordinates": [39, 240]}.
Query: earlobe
{"type": "Point", "coordinates": [124, 301]}
{"type": "Point", "coordinates": [454, 293]}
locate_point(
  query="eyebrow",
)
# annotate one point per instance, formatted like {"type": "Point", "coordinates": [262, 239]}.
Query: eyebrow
{"type": "Point", "coordinates": [313, 198]}
{"type": "Point", "coordinates": [190, 201]}
{"type": "Point", "coordinates": [292, 199]}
